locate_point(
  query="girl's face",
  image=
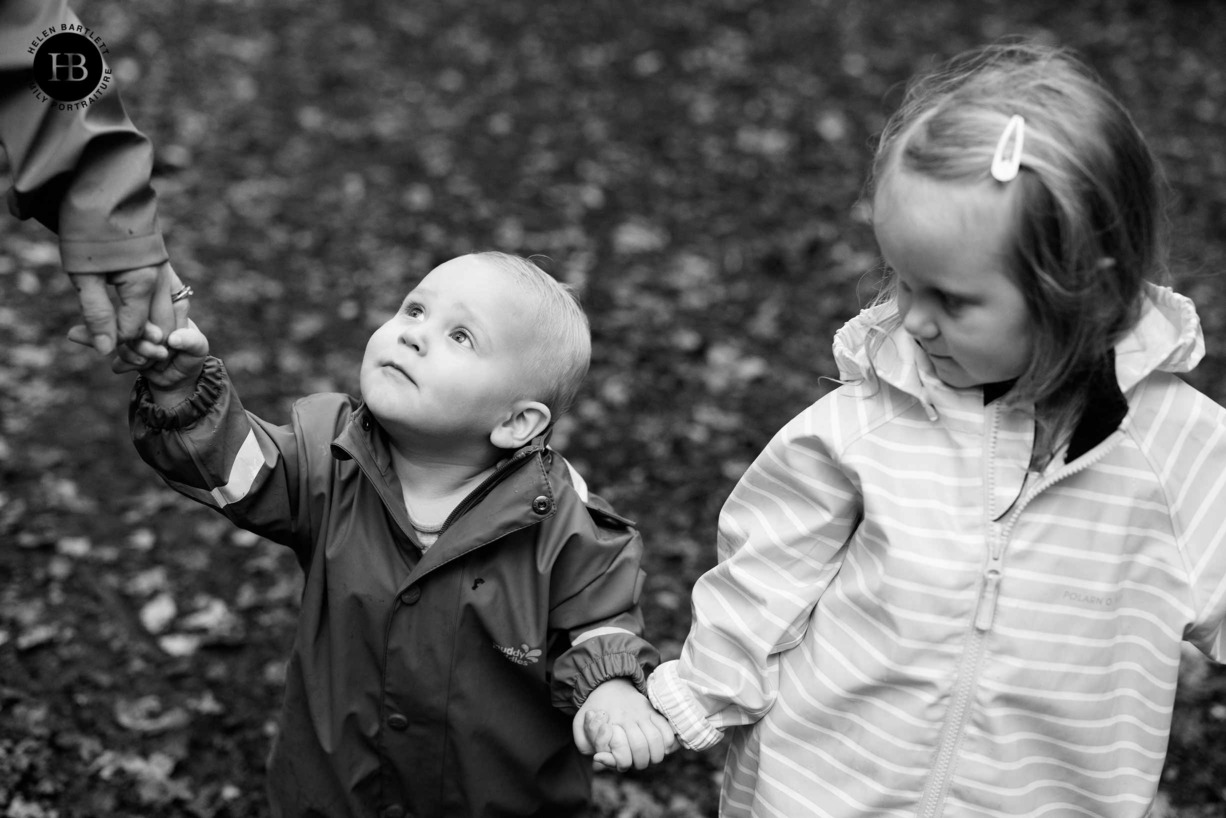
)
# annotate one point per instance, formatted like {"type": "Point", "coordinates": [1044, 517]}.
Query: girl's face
{"type": "Point", "coordinates": [948, 244]}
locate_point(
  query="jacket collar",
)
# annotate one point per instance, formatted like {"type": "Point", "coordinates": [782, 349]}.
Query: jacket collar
{"type": "Point", "coordinates": [1167, 338]}
{"type": "Point", "coordinates": [518, 493]}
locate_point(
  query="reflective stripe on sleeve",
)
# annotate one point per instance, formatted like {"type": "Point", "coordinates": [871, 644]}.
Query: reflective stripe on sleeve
{"type": "Point", "coordinates": [594, 632]}
{"type": "Point", "coordinates": [247, 464]}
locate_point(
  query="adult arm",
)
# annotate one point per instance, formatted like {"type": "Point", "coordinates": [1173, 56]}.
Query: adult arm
{"type": "Point", "coordinates": [85, 174]}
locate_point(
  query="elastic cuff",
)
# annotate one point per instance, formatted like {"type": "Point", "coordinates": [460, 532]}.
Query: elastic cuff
{"type": "Point", "coordinates": [187, 411]}
{"type": "Point", "coordinates": [669, 695]}
{"type": "Point", "coordinates": [612, 666]}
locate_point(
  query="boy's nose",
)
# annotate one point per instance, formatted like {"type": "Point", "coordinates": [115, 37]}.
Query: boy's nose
{"type": "Point", "coordinates": [414, 336]}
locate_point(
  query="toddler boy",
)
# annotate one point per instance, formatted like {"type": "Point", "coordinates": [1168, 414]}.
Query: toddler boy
{"type": "Point", "coordinates": [465, 595]}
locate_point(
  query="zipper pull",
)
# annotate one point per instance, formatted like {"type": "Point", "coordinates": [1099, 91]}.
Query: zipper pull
{"type": "Point", "coordinates": [987, 600]}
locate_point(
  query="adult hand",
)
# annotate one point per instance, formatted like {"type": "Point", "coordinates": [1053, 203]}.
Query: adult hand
{"type": "Point", "coordinates": [143, 294]}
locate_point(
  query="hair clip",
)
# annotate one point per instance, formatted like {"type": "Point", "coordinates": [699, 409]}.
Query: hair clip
{"type": "Point", "coordinates": [1006, 169]}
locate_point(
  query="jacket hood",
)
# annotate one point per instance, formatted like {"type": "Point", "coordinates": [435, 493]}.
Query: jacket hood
{"type": "Point", "coordinates": [1167, 338]}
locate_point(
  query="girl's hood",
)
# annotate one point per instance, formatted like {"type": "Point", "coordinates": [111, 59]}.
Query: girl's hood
{"type": "Point", "coordinates": [1166, 338]}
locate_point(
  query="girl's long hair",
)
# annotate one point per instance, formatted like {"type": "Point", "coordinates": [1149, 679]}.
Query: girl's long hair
{"type": "Point", "coordinates": [1090, 204]}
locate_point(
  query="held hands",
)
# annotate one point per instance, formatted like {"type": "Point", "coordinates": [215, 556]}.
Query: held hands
{"type": "Point", "coordinates": [170, 364]}
{"type": "Point", "coordinates": [620, 727]}
{"type": "Point", "coordinates": [144, 295]}
{"type": "Point", "coordinates": [155, 335]}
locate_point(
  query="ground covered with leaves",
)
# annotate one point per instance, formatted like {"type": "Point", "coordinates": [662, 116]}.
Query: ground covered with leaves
{"type": "Point", "coordinates": [693, 168]}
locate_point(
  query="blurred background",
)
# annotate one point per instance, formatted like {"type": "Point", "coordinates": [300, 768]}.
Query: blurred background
{"type": "Point", "coordinates": [693, 168]}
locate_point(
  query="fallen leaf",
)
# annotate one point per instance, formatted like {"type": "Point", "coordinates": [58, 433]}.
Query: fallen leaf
{"type": "Point", "coordinates": [157, 614]}
{"type": "Point", "coordinates": [37, 636]}
{"type": "Point", "coordinates": [145, 715]}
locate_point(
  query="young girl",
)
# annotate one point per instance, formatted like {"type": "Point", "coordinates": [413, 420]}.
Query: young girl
{"type": "Point", "coordinates": [958, 584]}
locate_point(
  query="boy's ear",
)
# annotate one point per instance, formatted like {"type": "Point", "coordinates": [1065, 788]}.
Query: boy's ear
{"type": "Point", "coordinates": [528, 419]}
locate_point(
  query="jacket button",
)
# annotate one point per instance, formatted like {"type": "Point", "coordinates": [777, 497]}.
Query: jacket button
{"type": "Point", "coordinates": [397, 722]}
{"type": "Point", "coordinates": [411, 596]}
{"type": "Point", "coordinates": [541, 504]}
{"type": "Point", "coordinates": [394, 811]}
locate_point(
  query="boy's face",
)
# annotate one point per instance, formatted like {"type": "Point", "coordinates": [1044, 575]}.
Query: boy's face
{"type": "Point", "coordinates": [450, 364]}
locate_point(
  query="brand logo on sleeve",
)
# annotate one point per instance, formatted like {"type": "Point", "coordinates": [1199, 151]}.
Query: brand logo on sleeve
{"type": "Point", "coordinates": [69, 71]}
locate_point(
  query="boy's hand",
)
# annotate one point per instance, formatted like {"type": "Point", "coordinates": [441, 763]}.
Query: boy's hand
{"type": "Point", "coordinates": [170, 365]}
{"type": "Point", "coordinates": [618, 724]}
{"type": "Point", "coordinates": [171, 378]}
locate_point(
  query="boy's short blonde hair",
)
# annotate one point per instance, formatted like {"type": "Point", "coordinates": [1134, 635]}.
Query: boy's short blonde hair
{"type": "Point", "coordinates": [563, 349]}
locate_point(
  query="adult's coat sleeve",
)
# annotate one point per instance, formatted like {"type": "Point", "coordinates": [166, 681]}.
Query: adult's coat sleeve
{"type": "Point", "coordinates": [84, 173]}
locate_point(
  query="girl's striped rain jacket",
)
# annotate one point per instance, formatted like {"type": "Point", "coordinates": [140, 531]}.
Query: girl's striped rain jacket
{"type": "Point", "coordinates": [905, 622]}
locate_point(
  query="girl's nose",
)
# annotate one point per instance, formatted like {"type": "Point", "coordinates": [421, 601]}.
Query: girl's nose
{"type": "Point", "coordinates": [918, 322]}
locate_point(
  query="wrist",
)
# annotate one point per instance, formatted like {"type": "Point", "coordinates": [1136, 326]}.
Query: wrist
{"type": "Point", "coordinates": [167, 396]}
{"type": "Point", "coordinates": [178, 402]}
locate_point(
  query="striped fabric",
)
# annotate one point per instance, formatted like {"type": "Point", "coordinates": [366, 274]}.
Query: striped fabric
{"type": "Point", "coordinates": [905, 622]}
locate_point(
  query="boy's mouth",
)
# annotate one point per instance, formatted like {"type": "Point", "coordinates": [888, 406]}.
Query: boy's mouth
{"type": "Point", "coordinates": [396, 367]}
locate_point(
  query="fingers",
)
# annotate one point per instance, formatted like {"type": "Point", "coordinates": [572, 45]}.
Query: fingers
{"type": "Point", "coordinates": [79, 334]}
{"type": "Point", "coordinates": [146, 351]}
{"type": "Point", "coordinates": [189, 340]}
{"type": "Point", "coordinates": [144, 294]}
{"type": "Point", "coordinates": [620, 755]}
{"type": "Point", "coordinates": [646, 745]}
{"type": "Point", "coordinates": [596, 733]}
{"type": "Point", "coordinates": [167, 314]}
{"type": "Point", "coordinates": [646, 742]}
{"type": "Point", "coordinates": [604, 761]}
{"type": "Point", "coordinates": [668, 738]}
{"type": "Point", "coordinates": [135, 290]}
{"type": "Point", "coordinates": [596, 737]}
{"type": "Point", "coordinates": [96, 312]}
{"type": "Point", "coordinates": [183, 305]}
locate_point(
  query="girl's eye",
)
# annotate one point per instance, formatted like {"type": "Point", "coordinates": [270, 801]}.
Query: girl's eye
{"type": "Point", "coordinates": [954, 303]}
{"type": "Point", "coordinates": [462, 337]}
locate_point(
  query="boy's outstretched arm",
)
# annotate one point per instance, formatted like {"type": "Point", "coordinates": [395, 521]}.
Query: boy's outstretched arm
{"type": "Point", "coordinates": [620, 727]}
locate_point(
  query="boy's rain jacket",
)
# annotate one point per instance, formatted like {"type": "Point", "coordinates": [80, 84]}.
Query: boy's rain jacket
{"type": "Point", "coordinates": [435, 684]}
{"type": "Point", "coordinates": [905, 622]}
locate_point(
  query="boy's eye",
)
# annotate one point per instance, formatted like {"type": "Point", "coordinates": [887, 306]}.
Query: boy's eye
{"type": "Point", "coordinates": [462, 337]}
{"type": "Point", "coordinates": [413, 310]}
